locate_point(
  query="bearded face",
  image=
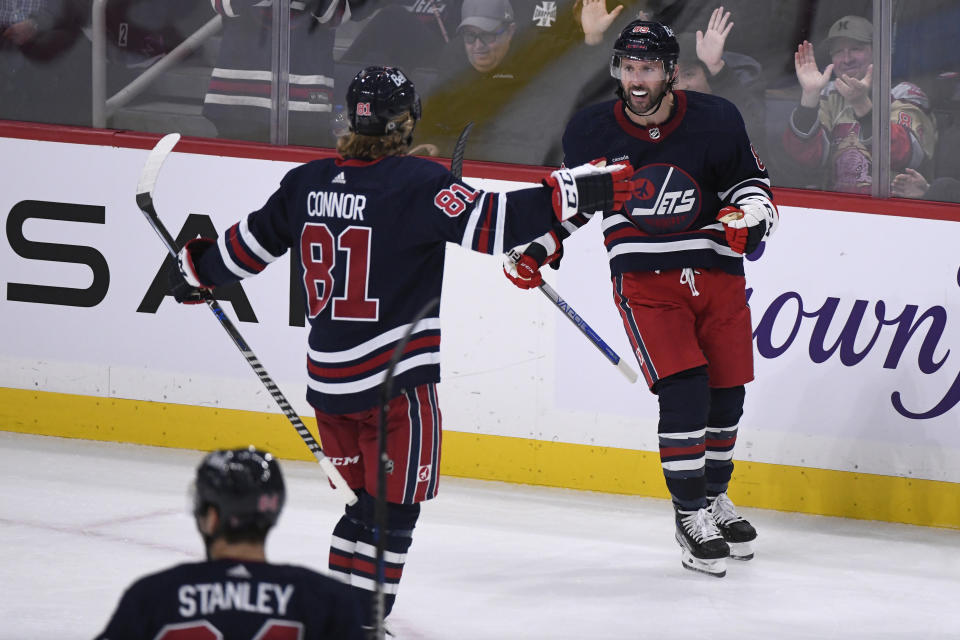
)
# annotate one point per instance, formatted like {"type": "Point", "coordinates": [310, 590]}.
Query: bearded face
{"type": "Point", "coordinates": [644, 83]}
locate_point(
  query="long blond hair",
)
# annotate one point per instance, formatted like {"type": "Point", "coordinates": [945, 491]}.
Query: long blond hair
{"type": "Point", "coordinates": [395, 143]}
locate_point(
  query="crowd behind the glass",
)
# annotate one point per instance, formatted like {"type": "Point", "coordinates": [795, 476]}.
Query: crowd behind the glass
{"type": "Point", "coordinates": [518, 69]}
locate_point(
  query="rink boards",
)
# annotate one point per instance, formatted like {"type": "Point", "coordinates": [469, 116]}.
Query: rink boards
{"type": "Point", "coordinates": [854, 302]}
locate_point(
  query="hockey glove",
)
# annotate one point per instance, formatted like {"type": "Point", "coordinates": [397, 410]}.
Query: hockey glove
{"type": "Point", "coordinates": [747, 226]}
{"type": "Point", "coordinates": [523, 269]}
{"type": "Point", "coordinates": [589, 187]}
{"type": "Point", "coordinates": [185, 284]}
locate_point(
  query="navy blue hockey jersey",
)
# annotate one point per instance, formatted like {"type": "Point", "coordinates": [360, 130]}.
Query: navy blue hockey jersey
{"type": "Point", "coordinates": [236, 600]}
{"type": "Point", "coordinates": [369, 238]}
{"type": "Point", "coordinates": [687, 169]}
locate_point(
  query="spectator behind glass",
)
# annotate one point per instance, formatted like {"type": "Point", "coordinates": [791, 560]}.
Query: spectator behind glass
{"type": "Point", "coordinates": [830, 131]}
{"type": "Point", "coordinates": [504, 69]}
{"type": "Point", "coordinates": [704, 66]}
{"type": "Point", "coordinates": [487, 28]}
{"type": "Point", "coordinates": [238, 97]}
{"type": "Point", "coordinates": [475, 83]}
{"type": "Point", "coordinates": [44, 62]}
{"type": "Point", "coordinates": [910, 184]}
{"type": "Point", "coordinates": [22, 20]}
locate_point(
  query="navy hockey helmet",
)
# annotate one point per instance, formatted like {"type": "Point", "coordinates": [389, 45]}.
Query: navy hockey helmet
{"type": "Point", "coordinates": [246, 488]}
{"type": "Point", "coordinates": [376, 96]}
{"type": "Point", "coordinates": [643, 40]}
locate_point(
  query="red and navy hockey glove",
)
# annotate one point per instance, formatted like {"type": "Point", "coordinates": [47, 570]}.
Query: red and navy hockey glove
{"type": "Point", "coordinates": [589, 187]}
{"type": "Point", "coordinates": [748, 225]}
{"type": "Point", "coordinates": [185, 284]}
{"type": "Point", "coordinates": [523, 269]}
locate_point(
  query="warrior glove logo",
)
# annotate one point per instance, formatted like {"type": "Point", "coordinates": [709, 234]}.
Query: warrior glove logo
{"type": "Point", "coordinates": [663, 199]}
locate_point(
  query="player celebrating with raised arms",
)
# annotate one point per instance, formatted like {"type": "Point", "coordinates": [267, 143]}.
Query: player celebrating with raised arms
{"type": "Point", "coordinates": [238, 495]}
{"type": "Point", "coordinates": [700, 200]}
{"type": "Point", "coordinates": [368, 231]}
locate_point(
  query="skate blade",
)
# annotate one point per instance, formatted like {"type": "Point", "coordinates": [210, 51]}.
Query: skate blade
{"type": "Point", "coordinates": [741, 551]}
{"type": "Point", "coordinates": [716, 568]}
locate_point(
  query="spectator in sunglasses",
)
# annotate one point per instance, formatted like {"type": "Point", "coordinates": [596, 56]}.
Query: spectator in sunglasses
{"type": "Point", "coordinates": [487, 27]}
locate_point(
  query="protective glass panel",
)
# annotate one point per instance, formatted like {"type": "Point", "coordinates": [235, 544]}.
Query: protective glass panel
{"type": "Point", "coordinates": [517, 69]}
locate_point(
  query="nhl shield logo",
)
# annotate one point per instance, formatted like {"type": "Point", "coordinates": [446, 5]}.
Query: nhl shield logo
{"type": "Point", "coordinates": [663, 199]}
{"type": "Point", "coordinates": [654, 133]}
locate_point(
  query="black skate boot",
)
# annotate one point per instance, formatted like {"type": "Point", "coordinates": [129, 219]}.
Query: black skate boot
{"type": "Point", "coordinates": [738, 533]}
{"type": "Point", "coordinates": [703, 546]}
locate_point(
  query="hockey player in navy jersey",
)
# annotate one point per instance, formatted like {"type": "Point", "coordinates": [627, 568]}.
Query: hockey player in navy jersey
{"type": "Point", "coordinates": [237, 497]}
{"type": "Point", "coordinates": [369, 230]}
{"type": "Point", "coordinates": [700, 200]}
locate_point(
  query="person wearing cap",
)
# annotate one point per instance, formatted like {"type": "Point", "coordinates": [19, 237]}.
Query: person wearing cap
{"type": "Point", "coordinates": [478, 82]}
{"type": "Point", "coordinates": [830, 131]}
{"type": "Point", "coordinates": [487, 27]}
{"type": "Point", "coordinates": [705, 66]}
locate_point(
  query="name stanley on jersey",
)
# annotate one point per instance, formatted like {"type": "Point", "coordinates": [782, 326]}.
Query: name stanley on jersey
{"type": "Point", "coordinates": [334, 204]}
{"type": "Point", "coordinates": [205, 599]}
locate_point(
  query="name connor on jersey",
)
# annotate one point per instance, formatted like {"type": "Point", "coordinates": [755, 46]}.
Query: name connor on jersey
{"type": "Point", "coordinates": [334, 204]}
{"type": "Point", "coordinates": [206, 599]}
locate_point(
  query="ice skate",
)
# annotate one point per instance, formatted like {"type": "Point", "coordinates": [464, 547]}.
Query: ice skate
{"type": "Point", "coordinates": [704, 548]}
{"type": "Point", "coordinates": [738, 533]}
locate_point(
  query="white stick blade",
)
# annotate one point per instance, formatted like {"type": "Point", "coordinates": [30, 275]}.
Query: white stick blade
{"type": "Point", "coordinates": [627, 371]}
{"type": "Point", "coordinates": [151, 169]}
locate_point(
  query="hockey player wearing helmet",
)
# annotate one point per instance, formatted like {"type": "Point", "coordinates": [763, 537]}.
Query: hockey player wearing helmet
{"type": "Point", "coordinates": [644, 61]}
{"type": "Point", "coordinates": [701, 200]}
{"type": "Point", "coordinates": [368, 232]}
{"type": "Point", "coordinates": [238, 495]}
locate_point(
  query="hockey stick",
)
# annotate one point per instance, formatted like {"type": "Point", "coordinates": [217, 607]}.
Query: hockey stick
{"type": "Point", "coordinates": [581, 324]}
{"type": "Point", "coordinates": [148, 179]}
{"type": "Point", "coordinates": [380, 505]}
{"type": "Point", "coordinates": [456, 168]}
{"type": "Point", "coordinates": [456, 161]}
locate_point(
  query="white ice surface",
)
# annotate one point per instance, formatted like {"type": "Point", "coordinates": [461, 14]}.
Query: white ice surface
{"type": "Point", "coordinates": [80, 520]}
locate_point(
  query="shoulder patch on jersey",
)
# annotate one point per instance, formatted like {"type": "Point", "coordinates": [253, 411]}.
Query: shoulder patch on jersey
{"type": "Point", "coordinates": [455, 199]}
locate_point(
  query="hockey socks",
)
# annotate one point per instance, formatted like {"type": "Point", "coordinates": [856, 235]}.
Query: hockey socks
{"type": "Point", "coordinates": [353, 550]}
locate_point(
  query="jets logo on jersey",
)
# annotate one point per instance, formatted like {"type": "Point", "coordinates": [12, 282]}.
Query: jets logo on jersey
{"type": "Point", "coordinates": [663, 199]}
{"type": "Point", "coordinates": [545, 14]}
